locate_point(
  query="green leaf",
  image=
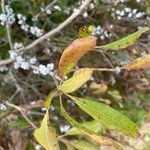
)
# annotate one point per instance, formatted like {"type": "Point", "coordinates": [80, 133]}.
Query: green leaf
{"type": "Point", "coordinates": [98, 139]}
{"type": "Point", "coordinates": [48, 101]}
{"type": "Point", "coordinates": [108, 116]}
{"type": "Point", "coordinates": [81, 145]}
{"type": "Point", "coordinates": [125, 42]}
{"type": "Point", "coordinates": [45, 135]}
{"type": "Point", "coordinates": [93, 126]}
{"type": "Point", "coordinates": [37, 2]}
{"type": "Point", "coordinates": [19, 123]}
{"type": "Point", "coordinates": [76, 81]}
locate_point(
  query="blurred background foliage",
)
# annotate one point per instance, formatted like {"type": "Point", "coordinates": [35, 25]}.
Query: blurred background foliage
{"type": "Point", "coordinates": [128, 91]}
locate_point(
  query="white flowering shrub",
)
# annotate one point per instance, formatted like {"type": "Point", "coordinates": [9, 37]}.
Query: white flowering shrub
{"type": "Point", "coordinates": [42, 68]}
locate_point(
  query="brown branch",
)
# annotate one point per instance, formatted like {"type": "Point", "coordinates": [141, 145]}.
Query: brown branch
{"type": "Point", "coordinates": [52, 32]}
{"type": "Point", "coordinates": [21, 110]}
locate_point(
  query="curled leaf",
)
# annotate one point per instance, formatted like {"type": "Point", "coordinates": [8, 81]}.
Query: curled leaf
{"type": "Point", "coordinates": [77, 80]}
{"type": "Point", "coordinates": [126, 41]}
{"type": "Point", "coordinates": [76, 50]}
{"type": "Point", "coordinates": [140, 63]}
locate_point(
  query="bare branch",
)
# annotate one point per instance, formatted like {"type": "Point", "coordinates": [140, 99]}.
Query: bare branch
{"type": "Point", "coordinates": [21, 110]}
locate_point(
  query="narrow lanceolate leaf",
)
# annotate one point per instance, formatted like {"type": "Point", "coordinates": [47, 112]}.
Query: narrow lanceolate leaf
{"type": "Point", "coordinates": [93, 126]}
{"type": "Point", "coordinates": [81, 145]}
{"type": "Point", "coordinates": [76, 81]}
{"type": "Point", "coordinates": [108, 116]}
{"type": "Point", "coordinates": [45, 135]}
{"type": "Point", "coordinates": [76, 50]}
{"type": "Point", "coordinates": [98, 139]}
{"type": "Point", "coordinates": [125, 42]}
{"type": "Point", "coordinates": [140, 63]}
{"type": "Point", "coordinates": [49, 99]}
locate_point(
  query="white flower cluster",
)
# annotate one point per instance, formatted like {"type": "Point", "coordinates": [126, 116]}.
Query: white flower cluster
{"type": "Point", "coordinates": [18, 45]}
{"type": "Point", "coordinates": [117, 70]}
{"type": "Point", "coordinates": [8, 16]}
{"type": "Point", "coordinates": [47, 10]}
{"type": "Point", "coordinates": [38, 147]}
{"type": "Point", "coordinates": [20, 62]}
{"type": "Point", "coordinates": [2, 106]}
{"type": "Point", "coordinates": [85, 14]}
{"type": "Point", "coordinates": [44, 69]}
{"type": "Point", "coordinates": [26, 64]}
{"type": "Point", "coordinates": [138, 1]}
{"type": "Point", "coordinates": [121, 1]}
{"type": "Point", "coordinates": [127, 12]}
{"type": "Point", "coordinates": [3, 68]}
{"type": "Point", "coordinates": [102, 32]}
{"type": "Point", "coordinates": [56, 7]}
{"type": "Point", "coordinates": [64, 128]}
{"type": "Point", "coordinates": [24, 26]}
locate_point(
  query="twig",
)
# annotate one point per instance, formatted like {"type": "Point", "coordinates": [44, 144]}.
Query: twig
{"type": "Point", "coordinates": [14, 95]}
{"type": "Point", "coordinates": [7, 25]}
{"type": "Point", "coordinates": [98, 69]}
{"type": "Point", "coordinates": [6, 61]}
{"type": "Point", "coordinates": [105, 57]}
{"type": "Point", "coordinates": [52, 32]}
{"type": "Point", "coordinates": [103, 69]}
{"type": "Point", "coordinates": [47, 7]}
{"type": "Point", "coordinates": [60, 27]}
{"type": "Point", "coordinates": [15, 81]}
{"type": "Point", "coordinates": [21, 110]}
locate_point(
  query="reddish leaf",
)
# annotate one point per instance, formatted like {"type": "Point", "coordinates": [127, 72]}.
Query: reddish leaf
{"type": "Point", "coordinates": [76, 50]}
{"type": "Point", "coordinates": [140, 63]}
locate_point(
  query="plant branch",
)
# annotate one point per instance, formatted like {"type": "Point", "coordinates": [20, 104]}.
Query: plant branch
{"type": "Point", "coordinates": [7, 26]}
{"type": "Point", "coordinates": [52, 32]}
{"type": "Point", "coordinates": [22, 111]}
{"type": "Point", "coordinates": [99, 69]}
{"type": "Point", "coordinates": [47, 7]}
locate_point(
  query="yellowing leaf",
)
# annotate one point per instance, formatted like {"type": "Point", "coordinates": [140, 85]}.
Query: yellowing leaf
{"type": "Point", "coordinates": [76, 50]}
{"type": "Point", "coordinates": [76, 81]}
{"type": "Point", "coordinates": [86, 31]}
{"type": "Point", "coordinates": [98, 88]}
{"type": "Point", "coordinates": [51, 95]}
{"type": "Point", "coordinates": [125, 42]}
{"type": "Point", "coordinates": [108, 116]}
{"type": "Point", "coordinates": [93, 125]}
{"type": "Point", "coordinates": [140, 63]}
{"type": "Point", "coordinates": [81, 144]}
{"type": "Point", "coordinates": [45, 135]}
